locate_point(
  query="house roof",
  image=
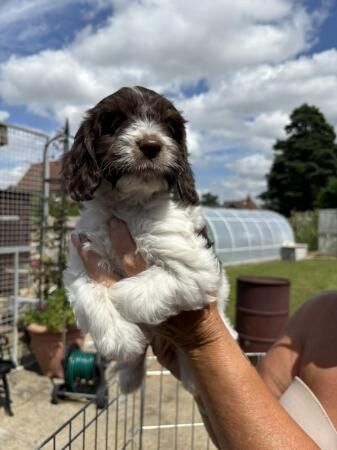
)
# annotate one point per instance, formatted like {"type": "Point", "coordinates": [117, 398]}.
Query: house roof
{"type": "Point", "coordinates": [32, 180]}
{"type": "Point", "coordinates": [246, 203]}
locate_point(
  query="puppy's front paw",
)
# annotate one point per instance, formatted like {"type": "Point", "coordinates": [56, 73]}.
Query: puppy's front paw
{"type": "Point", "coordinates": [118, 339]}
{"type": "Point", "coordinates": [131, 375]}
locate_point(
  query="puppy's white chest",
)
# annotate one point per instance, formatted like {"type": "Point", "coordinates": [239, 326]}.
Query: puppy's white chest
{"type": "Point", "coordinates": [157, 228]}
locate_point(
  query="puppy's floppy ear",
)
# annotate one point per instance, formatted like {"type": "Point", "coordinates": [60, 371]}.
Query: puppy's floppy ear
{"type": "Point", "coordinates": [186, 185]}
{"type": "Point", "coordinates": [81, 172]}
{"type": "Point", "coordinates": [187, 193]}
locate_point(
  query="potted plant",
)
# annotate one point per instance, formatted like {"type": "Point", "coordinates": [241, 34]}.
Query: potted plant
{"type": "Point", "coordinates": [51, 326]}
{"type": "Point", "coordinates": [52, 329]}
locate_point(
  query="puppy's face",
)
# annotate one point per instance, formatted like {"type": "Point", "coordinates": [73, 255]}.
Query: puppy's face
{"type": "Point", "coordinates": [140, 133]}
{"type": "Point", "coordinates": [134, 131]}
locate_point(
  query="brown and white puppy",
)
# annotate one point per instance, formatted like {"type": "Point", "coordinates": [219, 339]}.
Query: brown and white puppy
{"type": "Point", "coordinates": [129, 159]}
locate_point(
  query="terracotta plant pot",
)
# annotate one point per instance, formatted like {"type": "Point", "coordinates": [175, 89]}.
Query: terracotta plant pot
{"type": "Point", "coordinates": [48, 349]}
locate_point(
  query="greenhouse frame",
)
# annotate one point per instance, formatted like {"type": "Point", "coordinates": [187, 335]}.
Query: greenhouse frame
{"type": "Point", "coordinates": [247, 235]}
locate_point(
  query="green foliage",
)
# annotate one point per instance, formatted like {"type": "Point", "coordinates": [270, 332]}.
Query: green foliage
{"type": "Point", "coordinates": [208, 199]}
{"type": "Point", "coordinates": [55, 310]}
{"type": "Point", "coordinates": [327, 197]}
{"type": "Point", "coordinates": [68, 208]}
{"type": "Point", "coordinates": [55, 242]}
{"type": "Point", "coordinates": [304, 162]}
{"type": "Point", "coordinates": [305, 226]}
{"type": "Point", "coordinates": [35, 208]}
{"type": "Point", "coordinates": [51, 273]}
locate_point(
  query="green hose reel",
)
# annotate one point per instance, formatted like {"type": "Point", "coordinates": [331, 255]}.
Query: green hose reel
{"type": "Point", "coordinates": [84, 376]}
{"type": "Point", "coordinates": [79, 366]}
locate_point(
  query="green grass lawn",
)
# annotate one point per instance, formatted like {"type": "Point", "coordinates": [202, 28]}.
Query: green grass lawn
{"type": "Point", "coordinates": [307, 278]}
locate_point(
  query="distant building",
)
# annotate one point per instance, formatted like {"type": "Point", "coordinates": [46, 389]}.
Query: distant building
{"type": "Point", "coordinates": [246, 203]}
{"type": "Point", "coordinates": [31, 181]}
{"type": "Point", "coordinates": [20, 212]}
{"type": "Point", "coordinates": [15, 233]}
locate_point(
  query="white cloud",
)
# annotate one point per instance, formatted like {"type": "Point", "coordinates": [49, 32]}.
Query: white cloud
{"type": "Point", "coordinates": [254, 166]}
{"type": "Point", "coordinates": [262, 131]}
{"type": "Point", "coordinates": [256, 102]}
{"type": "Point", "coordinates": [247, 52]}
{"type": "Point", "coordinates": [9, 177]}
{"type": "Point", "coordinates": [179, 40]}
{"type": "Point", "coordinates": [193, 142]}
{"type": "Point", "coordinates": [156, 43]}
{"type": "Point", "coordinates": [248, 178]}
{"type": "Point", "coordinates": [4, 115]}
{"type": "Point", "coordinates": [236, 187]}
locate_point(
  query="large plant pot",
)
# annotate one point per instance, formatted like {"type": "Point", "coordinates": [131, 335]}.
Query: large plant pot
{"type": "Point", "coordinates": [48, 349]}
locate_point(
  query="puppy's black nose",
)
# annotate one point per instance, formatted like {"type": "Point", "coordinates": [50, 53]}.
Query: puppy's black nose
{"type": "Point", "coordinates": [149, 147]}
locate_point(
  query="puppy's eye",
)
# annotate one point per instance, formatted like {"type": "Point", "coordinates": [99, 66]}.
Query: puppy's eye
{"type": "Point", "coordinates": [110, 121]}
{"type": "Point", "coordinates": [176, 129]}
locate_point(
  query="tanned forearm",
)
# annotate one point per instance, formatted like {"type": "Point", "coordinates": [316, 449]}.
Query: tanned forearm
{"type": "Point", "coordinates": [242, 411]}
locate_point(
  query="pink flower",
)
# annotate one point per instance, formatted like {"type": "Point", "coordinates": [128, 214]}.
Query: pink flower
{"type": "Point", "coordinates": [34, 263]}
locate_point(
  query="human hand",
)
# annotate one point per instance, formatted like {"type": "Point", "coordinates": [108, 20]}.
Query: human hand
{"type": "Point", "coordinates": [95, 265]}
{"type": "Point", "coordinates": [132, 263]}
{"type": "Point", "coordinates": [190, 330]}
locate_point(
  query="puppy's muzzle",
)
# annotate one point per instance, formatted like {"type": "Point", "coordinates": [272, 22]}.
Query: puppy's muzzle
{"type": "Point", "coordinates": [150, 147]}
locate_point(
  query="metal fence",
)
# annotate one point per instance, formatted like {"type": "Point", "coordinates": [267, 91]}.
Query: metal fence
{"type": "Point", "coordinates": [161, 415]}
{"type": "Point", "coordinates": [21, 190]}
{"type": "Point", "coordinates": [327, 232]}
{"type": "Point", "coordinates": [30, 237]}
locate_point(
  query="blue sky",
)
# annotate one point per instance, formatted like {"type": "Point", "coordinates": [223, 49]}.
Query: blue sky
{"type": "Point", "coordinates": [326, 34]}
{"type": "Point", "coordinates": [236, 70]}
{"type": "Point", "coordinates": [53, 29]}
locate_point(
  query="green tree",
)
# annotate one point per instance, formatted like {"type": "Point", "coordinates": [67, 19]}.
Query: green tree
{"type": "Point", "coordinates": [328, 196]}
{"type": "Point", "coordinates": [304, 162]}
{"type": "Point", "coordinates": [208, 199]}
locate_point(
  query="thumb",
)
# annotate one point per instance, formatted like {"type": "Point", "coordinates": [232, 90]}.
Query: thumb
{"type": "Point", "coordinates": [79, 241]}
{"type": "Point", "coordinates": [126, 250]}
{"type": "Point", "coordinates": [121, 239]}
{"type": "Point", "coordinates": [75, 240]}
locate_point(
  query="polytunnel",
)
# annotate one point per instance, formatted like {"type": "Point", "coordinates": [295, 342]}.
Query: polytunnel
{"type": "Point", "coordinates": [247, 235]}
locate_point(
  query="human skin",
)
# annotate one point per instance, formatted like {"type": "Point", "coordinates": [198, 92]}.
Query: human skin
{"type": "Point", "coordinates": [307, 349]}
{"type": "Point", "coordinates": [242, 412]}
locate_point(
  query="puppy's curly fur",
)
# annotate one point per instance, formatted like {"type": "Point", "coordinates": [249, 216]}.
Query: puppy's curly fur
{"type": "Point", "coordinates": [129, 159]}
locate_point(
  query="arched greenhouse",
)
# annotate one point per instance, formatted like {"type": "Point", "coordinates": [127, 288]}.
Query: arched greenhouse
{"type": "Point", "coordinates": [247, 235]}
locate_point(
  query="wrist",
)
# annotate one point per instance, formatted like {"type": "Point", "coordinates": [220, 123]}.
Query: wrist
{"type": "Point", "coordinates": [202, 330]}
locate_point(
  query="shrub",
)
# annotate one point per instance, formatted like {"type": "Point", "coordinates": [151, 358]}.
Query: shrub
{"type": "Point", "coordinates": [305, 226]}
{"type": "Point", "coordinates": [52, 313]}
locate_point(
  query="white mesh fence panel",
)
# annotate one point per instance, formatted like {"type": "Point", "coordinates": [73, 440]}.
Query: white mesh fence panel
{"type": "Point", "coordinates": [21, 154]}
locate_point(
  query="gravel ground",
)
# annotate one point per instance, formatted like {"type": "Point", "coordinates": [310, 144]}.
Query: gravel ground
{"type": "Point", "coordinates": [165, 403]}
{"type": "Point", "coordinates": [34, 416]}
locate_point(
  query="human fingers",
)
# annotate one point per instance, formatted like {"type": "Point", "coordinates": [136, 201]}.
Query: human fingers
{"type": "Point", "coordinates": [81, 242]}
{"type": "Point", "coordinates": [95, 265]}
{"type": "Point", "coordinates": [77, 240]}
{"type": "Point", "coordinates": [126, 251]}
